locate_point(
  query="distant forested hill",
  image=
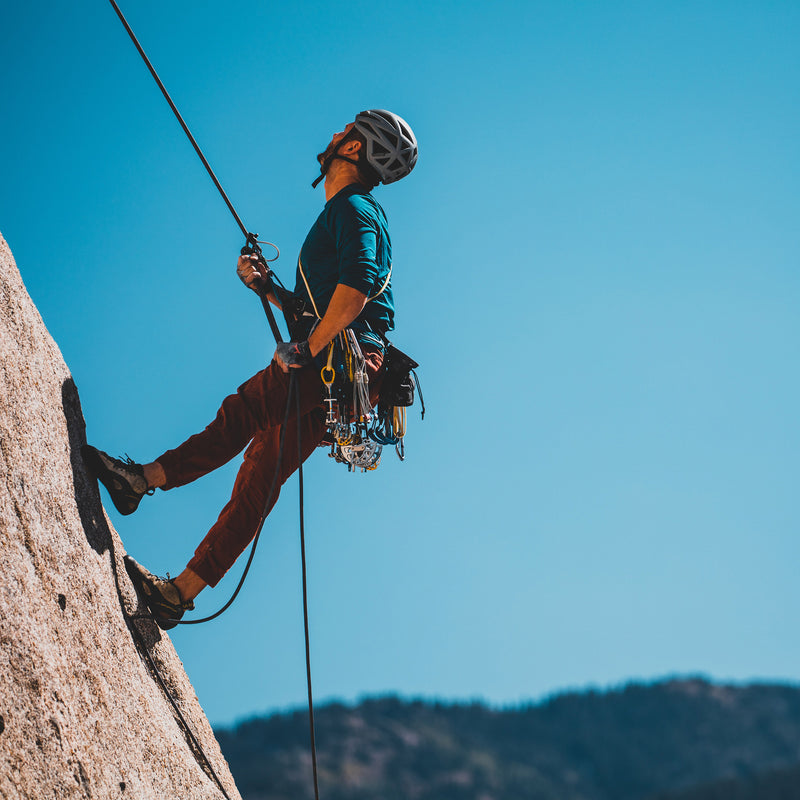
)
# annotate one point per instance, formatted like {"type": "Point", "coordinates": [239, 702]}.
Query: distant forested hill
{"type": "Point", "coordinates": [782, 784]}
{"type": "Point", "coordinates": [675, 740]}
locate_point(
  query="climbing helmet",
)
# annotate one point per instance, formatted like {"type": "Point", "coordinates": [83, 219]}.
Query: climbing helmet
{"type": "Point", "coordinates": [391, 144]}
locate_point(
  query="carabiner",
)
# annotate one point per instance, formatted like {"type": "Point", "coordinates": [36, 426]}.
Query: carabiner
{"type": "Point", "coordinates": [328, 368]}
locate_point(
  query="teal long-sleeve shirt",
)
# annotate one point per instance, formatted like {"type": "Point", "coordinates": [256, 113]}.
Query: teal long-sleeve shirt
{"type": "Point", "coordinates": [349, 243]}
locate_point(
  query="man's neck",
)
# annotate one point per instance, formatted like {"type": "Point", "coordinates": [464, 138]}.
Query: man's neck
{"type": "Point", "coordinates": [338, 178]}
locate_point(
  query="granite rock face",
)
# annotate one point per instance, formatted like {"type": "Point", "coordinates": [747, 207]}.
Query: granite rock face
{"type": "Point", "coordinates": [94, 703]}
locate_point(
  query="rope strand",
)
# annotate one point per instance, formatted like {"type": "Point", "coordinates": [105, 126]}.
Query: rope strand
{"type": "Point", "coordinates": [179, 117]}
{"type": "Point", "coordinates": [292, 389]}
{"type": "Point", "coordinates": [252, 241]}
{"type": "Point", "coordinates": [305, 606]}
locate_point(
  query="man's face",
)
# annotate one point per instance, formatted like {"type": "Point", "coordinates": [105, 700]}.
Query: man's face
{"type": "Point", "coordinates": [337, 137]}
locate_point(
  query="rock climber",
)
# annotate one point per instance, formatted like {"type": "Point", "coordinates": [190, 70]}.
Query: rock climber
{"type": "Point", "coordinates": [344, 277]}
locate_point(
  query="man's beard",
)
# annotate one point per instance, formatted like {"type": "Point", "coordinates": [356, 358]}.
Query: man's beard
{"type": "Point", "coordinates": [324, 158]}
{"type": "Point", "coordinates": [326, 153]}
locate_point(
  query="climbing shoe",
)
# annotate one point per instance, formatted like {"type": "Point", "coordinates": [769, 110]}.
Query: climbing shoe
{"type": "Point", "coordinates": [161, 595]}
{"type": "Point", "coordinates": [123, 479]}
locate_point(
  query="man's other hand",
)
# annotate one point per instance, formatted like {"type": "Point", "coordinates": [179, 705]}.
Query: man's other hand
{"type": "Point", "coordinates": [292, 355]}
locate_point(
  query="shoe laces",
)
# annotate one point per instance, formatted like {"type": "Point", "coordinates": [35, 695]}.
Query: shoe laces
{"type": "Point", "coordinates": [133, 466]}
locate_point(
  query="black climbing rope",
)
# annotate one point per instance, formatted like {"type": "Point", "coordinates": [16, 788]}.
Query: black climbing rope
{"type": "Point", "coordinates": [275, 479]}
{"type": "Point", "coordinates": [142, 647]}
{"type": "Point", "coordinates": [252, 246]}
{"type": "Point", "coordinates": [305, 605]}
{"type": "Point", "coordinates": [180, 118]}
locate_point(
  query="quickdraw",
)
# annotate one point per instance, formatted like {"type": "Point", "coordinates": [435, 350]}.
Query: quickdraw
{"type": "Point", "coordinates": [357, 432]}
{"type": "Point", "coordinates": [349, 415]}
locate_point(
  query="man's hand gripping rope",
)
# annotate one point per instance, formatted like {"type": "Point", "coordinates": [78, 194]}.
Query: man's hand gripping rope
{"type": "Point", "coordinates": [288, 355]}
{"type": "Point", "coordinates": [247, 268]}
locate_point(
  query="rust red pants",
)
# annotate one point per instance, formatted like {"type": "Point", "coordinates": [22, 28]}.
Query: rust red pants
{"type": "Point", "coordinates": [254, 414]}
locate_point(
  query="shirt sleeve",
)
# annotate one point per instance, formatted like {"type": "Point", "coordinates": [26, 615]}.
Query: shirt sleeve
{"type": "Point", "coordinates": [355, 231]}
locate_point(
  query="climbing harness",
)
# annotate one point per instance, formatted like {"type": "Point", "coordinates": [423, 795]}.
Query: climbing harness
{"type": "Point", "coordinates": [396, 395]}
{"type": "Point", "coordinates": [349, 414]}
{"type": "Point", "coordinates": [356, 432]}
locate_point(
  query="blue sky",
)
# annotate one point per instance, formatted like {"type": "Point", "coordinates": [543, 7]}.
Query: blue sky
{"type": "Point", "coordinates": [596, 263]}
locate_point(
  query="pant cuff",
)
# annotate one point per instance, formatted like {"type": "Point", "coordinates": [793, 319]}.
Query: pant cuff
{"type": "Point", "coordinates": [204, 566]}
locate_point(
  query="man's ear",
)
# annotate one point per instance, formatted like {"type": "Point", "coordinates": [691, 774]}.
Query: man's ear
{"type": "Point", "coordinates": [351, 147]}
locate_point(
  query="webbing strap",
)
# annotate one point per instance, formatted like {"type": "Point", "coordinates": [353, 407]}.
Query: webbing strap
{"type": "Point", "coordinates": [311, 296]}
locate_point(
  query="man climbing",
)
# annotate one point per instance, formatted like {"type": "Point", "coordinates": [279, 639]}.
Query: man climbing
{"type": "Point", "coordinates": [344, 279]}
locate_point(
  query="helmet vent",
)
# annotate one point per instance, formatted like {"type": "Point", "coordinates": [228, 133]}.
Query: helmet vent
{"type": "Point", "coordinates": [391, 147]}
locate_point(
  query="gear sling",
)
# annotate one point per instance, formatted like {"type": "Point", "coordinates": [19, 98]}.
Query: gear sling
{"type": "Point", "coordinates": [356, 433]}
